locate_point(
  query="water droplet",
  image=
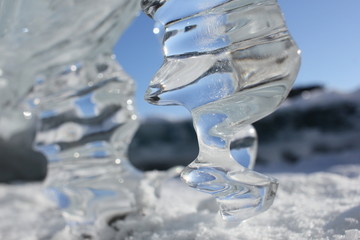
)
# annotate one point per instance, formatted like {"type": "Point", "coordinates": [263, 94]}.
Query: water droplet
{"type": "Point", "coordinates": [156, 30]}
{"type": "Point", "coordinates": [73, 68]}
{"type": "Point", "coordinates": [27, 115]}
{"type": "Point", "coordinates": [37, 101]}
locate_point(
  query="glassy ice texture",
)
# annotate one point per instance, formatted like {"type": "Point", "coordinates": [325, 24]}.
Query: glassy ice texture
{"type": "Point", "coordinates": [229, 62]}
{"type": "Point", "coordinates": [56, 66]}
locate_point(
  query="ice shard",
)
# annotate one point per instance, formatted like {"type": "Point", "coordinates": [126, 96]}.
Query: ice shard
{"type": "Point", "coordinates": [230, 63]}
{"type": "Point", "coordinates": [57, 67]}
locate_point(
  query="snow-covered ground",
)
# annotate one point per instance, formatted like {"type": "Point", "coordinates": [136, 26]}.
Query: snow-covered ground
{"type": "Point", "coordinates": [317, 199]}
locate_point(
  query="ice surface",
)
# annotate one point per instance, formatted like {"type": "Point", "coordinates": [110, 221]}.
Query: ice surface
{"type": "Point", "coordinates": [56, 67]}
{"type": "Point", "coordinates": [39, 35]}
{"type": "Point", "coordinates": [229, 62]}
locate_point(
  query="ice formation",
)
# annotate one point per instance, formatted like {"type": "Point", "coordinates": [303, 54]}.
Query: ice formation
{"type": "Point", "coordinates": [56, 66]}
{"type": "Point", "coordinates": [230, 63]}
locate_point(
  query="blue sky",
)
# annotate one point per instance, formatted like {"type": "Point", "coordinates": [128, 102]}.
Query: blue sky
{"type": "Point", "coordinates": [327, 32]}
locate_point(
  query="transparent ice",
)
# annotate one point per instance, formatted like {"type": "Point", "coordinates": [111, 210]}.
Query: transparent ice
{"type": "Point", "coordinates": [57, 67]}
{"type": "Point", "coordinates": [230, 63]}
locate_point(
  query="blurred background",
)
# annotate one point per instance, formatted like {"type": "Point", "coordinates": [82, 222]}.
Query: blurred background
{"type": "Point", "coordinates": [320, 120]}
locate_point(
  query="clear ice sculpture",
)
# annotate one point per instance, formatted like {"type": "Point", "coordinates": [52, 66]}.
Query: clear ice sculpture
{"type": "Point", "coordinates": [230, 63]}
{"type": "Point", "coordinates": [57, 66]}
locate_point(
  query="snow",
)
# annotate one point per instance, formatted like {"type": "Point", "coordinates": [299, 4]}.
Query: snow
{"type": "Point", "coordinates": [317, 199]}
{"type": "Point", "coordinates": [321, 97]}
